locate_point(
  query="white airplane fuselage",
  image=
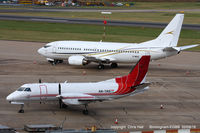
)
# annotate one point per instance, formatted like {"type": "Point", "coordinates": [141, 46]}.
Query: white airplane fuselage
{"type": "Point", "coordinates": [119, 52]}
{"type": "Point", "coordinates": [49, 91]}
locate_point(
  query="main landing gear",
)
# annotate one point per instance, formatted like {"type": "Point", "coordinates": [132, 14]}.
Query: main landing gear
{"type": "Point", "coordinates": [64, 105]}
{"type": "Point", "coordinates": [54, 62]}
{"type": "Point", "coordinates": [85, 111]}
{"type": "Point", "coordinates": [100, 66]}
{"type": "Point", "coordinates": [114, 65]}
{"type": "Point", "coordinates": [21, 109]}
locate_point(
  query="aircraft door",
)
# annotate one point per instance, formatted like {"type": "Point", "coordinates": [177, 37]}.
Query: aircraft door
{"type": "Point", "coordinates": [43, 92]}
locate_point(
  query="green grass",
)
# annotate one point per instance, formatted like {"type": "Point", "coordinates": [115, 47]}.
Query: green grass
{"type": "Point", "coordinates": [167, 5]}
{"type": "Point", "coordinates": [47, 32]}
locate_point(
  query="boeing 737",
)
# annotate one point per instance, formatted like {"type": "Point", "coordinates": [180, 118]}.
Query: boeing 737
{"type": "Point", "coordinates": [84, 93]}
{"type": "Point", "coordinates": [85, 52]}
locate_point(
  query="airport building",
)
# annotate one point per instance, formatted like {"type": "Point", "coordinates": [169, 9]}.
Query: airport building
{"type": "Point", "coordinates": [87, 2]}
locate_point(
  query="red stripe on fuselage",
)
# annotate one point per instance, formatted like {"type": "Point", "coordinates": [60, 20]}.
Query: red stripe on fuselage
{"type": "Point", "coordinates": [44, 95]}
{"type": "Point", "coordinates": [93, 94]}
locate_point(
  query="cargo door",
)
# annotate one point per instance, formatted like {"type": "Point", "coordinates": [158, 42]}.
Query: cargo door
{"type": "Point", "coordinates": [43, 92]}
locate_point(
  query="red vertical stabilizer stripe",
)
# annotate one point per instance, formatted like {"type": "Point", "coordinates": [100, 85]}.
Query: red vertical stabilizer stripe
{"type": "Point", "coordinates": [134, 78]}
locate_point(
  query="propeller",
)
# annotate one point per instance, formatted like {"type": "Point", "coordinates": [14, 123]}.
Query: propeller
{"type": "Point", "coordinates": [40, 81]}
{"type": "Point", "coordinates": [59, 91]}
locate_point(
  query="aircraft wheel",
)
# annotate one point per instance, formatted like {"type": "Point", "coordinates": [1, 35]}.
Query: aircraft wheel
{"type": "Point", "coordinates": [55, 62]}
{"type": "Point", "coordinates": [100, 66]}
{"type": "Point", "coordinates": [21, 111]}
{"type": "Point", "coordinates": [51, 62]}
{"type": "Point", "coordinates": [60, 61]}
{"type": "Point", "coordinates": [64, 105]}
{"type": "Point", "coordinates": [85, 112]}
{"type": "Point", "coordinates": [114, 65]}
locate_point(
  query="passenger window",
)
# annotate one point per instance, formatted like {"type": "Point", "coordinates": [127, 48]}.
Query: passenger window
{"type": "Point", "coordinates": [27, 89]}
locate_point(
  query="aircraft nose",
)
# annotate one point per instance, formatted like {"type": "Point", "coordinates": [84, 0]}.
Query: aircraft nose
{"type": "Point", "coordinates": [9, 98]}
{"type": "Point", "coordinates": [41, 51]}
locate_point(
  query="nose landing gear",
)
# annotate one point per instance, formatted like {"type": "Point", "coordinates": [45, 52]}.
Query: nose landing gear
{"type": "Point", "coordinates": [85, 111]}
{"type": "Point", "coordinates": [21, 109]}
{"type": "Point", "coordinates": [54, 62]}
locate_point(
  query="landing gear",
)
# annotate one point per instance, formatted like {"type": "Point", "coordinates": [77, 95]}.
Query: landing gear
{"type": "Point", "coordinates": [100, 66]}
{"type": "Point", "coordinates": [60, 61]}
{"type": "Point", "coordinates": [21, 109]}
{"type": "Point", "coordinates": [54, 62]}
{"type": "Point", "coordinates": [64, 105]}
{"type": "Point", "coordinates": [114, 65]}
{"type": "Point", "coordinates": [85, 111]}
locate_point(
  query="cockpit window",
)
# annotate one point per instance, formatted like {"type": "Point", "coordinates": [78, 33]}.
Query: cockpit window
{"type": "Point", "coordinates": [21, 89]}
{"type": "Point", "coordinates": [46, 46]}
{"type": "Point", "coordinates": [27, 89]}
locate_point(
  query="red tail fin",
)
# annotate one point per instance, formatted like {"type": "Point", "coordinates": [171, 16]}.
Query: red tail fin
{"type": "Point", "coordinates": [134, 78]}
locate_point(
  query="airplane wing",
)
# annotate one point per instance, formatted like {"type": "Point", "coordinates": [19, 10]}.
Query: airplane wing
{"type": "Point", "coordinates": [78, 98]}
{"type": "Point", "coordinates": [103, 56]}
{"type": "Point", "coordinates": [100, 57]}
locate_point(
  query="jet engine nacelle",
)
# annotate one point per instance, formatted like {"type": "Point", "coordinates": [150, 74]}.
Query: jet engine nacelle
{"type": "Point", "coordinates": [77, 60]}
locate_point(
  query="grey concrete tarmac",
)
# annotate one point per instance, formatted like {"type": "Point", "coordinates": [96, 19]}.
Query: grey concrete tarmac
{"type": "Point", "coordinates": [93, 21]}
{"type": "Point", "coordinates": [175, 84]}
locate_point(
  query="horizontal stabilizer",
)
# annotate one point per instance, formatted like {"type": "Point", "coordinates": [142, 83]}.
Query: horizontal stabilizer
{"type": "Point", "coordinates": [170, 49]}
{"type": "Point", "coordinates": [140, 86]}
{"type": "Point", "coordinates": [137, 91]}
{"type": "Point", "coordinates": [188, 46]}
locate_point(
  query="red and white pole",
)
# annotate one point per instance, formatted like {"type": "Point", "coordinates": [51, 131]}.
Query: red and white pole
{"type": "Point", "coordinates": [104, 33]}
{"type": "Point", "coordinates": [105, 22]}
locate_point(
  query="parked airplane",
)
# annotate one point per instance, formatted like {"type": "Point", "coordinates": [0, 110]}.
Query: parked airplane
{"type": "Point", "coordinates": [84, 93]}
{"type": "Point", "coordinates": [85, 52]}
